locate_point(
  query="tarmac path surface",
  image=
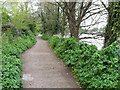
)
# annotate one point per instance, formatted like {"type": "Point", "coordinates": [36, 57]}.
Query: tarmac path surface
{"type": "Point", "coordinates": [42, 68]}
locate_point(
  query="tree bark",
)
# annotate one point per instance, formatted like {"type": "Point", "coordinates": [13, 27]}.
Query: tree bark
{"type": "Point", "coordinates": [112, 30]}
{"type": "Point", "coordinates": [74, 28]}
{"type": "Point", "coordinates": [71, 15]}
{"type": "Point", "coordinates": [75, 20]}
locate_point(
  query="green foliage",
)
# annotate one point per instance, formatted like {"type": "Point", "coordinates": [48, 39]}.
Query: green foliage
{"type": "Point", "coordinates": [61, 45]}
{"type": "Point", "coordinates": [101, 70]}
{"type": "Point", "coordinates": [11, 62]}
{"type": "Point", "coordinates": [54, 41]}
{"type": "Point", "coordinates": [17, 19]}
{"type": "Point", "coordinates": [18, 27]}
{"type": "Point", "coordinates": [11, 72]}
{"type": "Point", "coordinates": [113, 25]}
{"type": "Point", "coordinates": [93, 68]}
{"type": "Point", "coordinates": [83, 54]}
{"type": "Point", "coordinates": [53, 19]}
{"type": "Point", "coordinates": [66, 44]}
{"type": "Point", "coordinates": [5, 16]}
{"type": "Point", "coordinates": [45, 37]}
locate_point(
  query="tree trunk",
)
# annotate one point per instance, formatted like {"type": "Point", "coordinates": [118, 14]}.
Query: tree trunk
{"type": "Point", "coordinates": [64, 23]}
{"type": "Point", "coordinates": [108, 32]}
{"type": "Point", "coordinates": [75, 13]}
{"type": "Point", "coordinates": [73, 26]}
{"type": "Point", "coordinates": [113, 25]}
{"type": "Point", "coordinates": [74, 29]}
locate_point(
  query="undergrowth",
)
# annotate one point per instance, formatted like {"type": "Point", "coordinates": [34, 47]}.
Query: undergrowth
{"type": "Point", "coordinates": [93, 68]}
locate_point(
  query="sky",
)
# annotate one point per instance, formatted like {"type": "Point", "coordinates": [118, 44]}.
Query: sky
{"type": "Point", "coordinates": [103, 24]}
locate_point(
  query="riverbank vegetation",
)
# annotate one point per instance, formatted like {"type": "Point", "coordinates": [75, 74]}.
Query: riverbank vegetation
{"type": "Point", "coordinates": [93, 68]}
{"type": "Point", "coordinates": [62, 24]}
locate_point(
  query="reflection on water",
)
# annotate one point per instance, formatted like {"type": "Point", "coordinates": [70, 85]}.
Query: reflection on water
{"type": "Point", "coordinates": [98, 40]}
{"type": "Point", "coordinates": [92, 39]}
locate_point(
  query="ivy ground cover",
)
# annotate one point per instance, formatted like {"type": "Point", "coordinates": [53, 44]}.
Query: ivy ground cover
{"type": "Point", "coordinates": [11, 67]}
{"type": "Point", "coordinates": [93, 68]}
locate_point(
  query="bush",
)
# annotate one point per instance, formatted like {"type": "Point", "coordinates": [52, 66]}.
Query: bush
{"type": "Point", "coordinates": [11, 62]}
{"type": "Point", "coordinates": [82, 54]}
{"type": "Point", "coordinates": [53, 41]}
{"type": "Point", "coordinates": [64, 45]}
{"type": "Point", "coordinates": [104, 68]}
{"type": "Point", "coordinates": [45, 37]}
{"type": "Point", "coordinates": [11, 72]}
{"type": "Point", "coordinates": [93, 68]}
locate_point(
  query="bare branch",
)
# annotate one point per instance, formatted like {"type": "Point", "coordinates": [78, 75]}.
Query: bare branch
{"type": "Point", "coordinates": [92, 24]}
{"type": "Point", "coordinates": [49, 10]}
{"type": "Point", "coordinates": [92, 10]}
{"type": "Point", "coordinates": [93, 14]}
{"type": "Point", "coordinates": [83, 11]}
{"type": "Point", "coordinates": [104, 5]}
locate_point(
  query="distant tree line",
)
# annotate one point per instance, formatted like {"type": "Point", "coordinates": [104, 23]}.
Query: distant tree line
{"type": "Point", "coordinates": [58, 17]}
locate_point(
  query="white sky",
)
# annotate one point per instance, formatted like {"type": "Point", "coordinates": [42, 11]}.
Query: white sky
{"type": "Point", "coordinates": [35, 8]}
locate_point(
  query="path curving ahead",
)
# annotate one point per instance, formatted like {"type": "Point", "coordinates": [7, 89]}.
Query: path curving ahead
{"type": "Point", "coordinates": [42, 69]}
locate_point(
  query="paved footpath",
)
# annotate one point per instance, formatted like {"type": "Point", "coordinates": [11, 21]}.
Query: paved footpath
{"type": "Point", "coordinates": [42, 69]}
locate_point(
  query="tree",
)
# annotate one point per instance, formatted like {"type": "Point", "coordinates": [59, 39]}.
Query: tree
{"type": "Point", "coordinates": [17, 19]}
{"type": "Point", "coordinates": [53, 19]}
{"type": "Point", "coordinates": [76, 13]}
{"type": "Point", "coordinates": [71, 14]}
{"type": "Point", "coordinates": [112, 31]}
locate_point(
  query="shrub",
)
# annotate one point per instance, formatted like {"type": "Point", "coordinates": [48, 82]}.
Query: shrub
{"type": "Point", "coordinates": [45, 37]}
{"type": "Point", "coordinates": [11, 72]}
{"type": "Point", "coordinates": [93, 68]}
{"type": "Point", "coordinates": [11, 62]}
{"type": "Point", "coordinates": [53, 41]}
{"type": "Point", "coordinates": [64, 45]}
{"type": "Point", "coordinates": [104, 68]}
{"type": "Point", "coordinates": [83, 54]}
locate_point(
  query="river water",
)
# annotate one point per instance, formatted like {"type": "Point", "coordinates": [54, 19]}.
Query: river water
{"type": "Point", "coordinates": [99, 41]}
